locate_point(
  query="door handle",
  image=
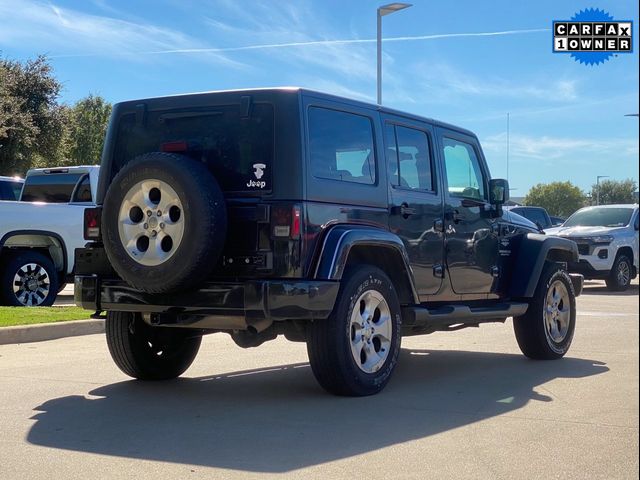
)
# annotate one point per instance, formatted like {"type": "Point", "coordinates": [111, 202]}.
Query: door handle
{"type": "Point", "coordinates": [405, 210]}
{"type": "Point", "coordinates": [457, 217]}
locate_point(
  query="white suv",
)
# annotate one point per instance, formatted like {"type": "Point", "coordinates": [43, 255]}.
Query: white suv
{"type": "Point", "coordinates": [607, 238]}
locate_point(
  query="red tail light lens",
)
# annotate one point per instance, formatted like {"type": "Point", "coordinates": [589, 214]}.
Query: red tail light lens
{"type": "Point", "coordinates": [170, 147]}
{"type": "Point", "coordinates": [285, 221]}
{"type": "Point", "coordinates": [92, 223]}
{"type": "Point", "coordinates": [295, 222]}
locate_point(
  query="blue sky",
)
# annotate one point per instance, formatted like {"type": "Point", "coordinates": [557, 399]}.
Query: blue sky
{"type": "Point", "coordinates": [567, 119]}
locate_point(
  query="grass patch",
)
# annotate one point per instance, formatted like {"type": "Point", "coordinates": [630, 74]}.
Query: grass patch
{"type": "Point", "coordinates": [11, 316]}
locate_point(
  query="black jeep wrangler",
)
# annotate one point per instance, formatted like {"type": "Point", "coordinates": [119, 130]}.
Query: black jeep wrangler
{"type": "Point", "coordinates": [330, 221]}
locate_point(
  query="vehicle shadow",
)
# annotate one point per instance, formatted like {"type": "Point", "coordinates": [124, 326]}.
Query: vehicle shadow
{"type": "Point", "coordinates": [601, 289]}
{"type": "Point", "coordinates": [277, 419]}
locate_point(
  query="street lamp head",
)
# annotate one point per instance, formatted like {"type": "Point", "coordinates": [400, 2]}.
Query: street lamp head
{"type": "Point", "coordinates": [392, 7]}
{"type": "Point", "coordinates": [631, 115]}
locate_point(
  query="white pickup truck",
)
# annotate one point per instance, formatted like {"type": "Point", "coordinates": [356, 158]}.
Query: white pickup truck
{"type": "Point", "coordinates": [39, 233]}
{"type": "Point", "coordinates": [607, 238]}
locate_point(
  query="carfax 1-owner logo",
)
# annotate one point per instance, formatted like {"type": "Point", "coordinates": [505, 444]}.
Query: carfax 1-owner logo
{"type": "Point", "coordinates": [592, 36]}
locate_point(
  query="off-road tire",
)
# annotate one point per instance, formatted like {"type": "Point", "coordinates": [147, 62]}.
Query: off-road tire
{"type": "Point", "coordinates": [530, 328]}
{"type": "Point", "coordinates": [614, 282]}
{"type": "Point", "coordinates": [149, 353]}
{"type": "Point", "coordinates": [13, 264]}
{"type": "Point", "coordinates": [329, 340]}
{"type": "Point", "coordinates": [205, 223]}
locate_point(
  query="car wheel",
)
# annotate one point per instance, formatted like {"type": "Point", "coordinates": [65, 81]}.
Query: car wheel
{"type": "Point", "coordinates": [149, 353]}
{"type": "Point", "coordinates": [164, 223]}
{"type": "Point", "coordinates": [29, 279]}
{"type": "Point", "coordinates": [546, 330]}
{"type": "Point", "coordinates": [621, 274]}
{"type": "Point", "coordinates": [355, 350]}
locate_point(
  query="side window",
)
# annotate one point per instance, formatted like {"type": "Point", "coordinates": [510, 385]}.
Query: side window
{"type": "Point", "coordinates": [17, 189]}
{"type": "Point", "coordinates": [464, 174]}
{"type": "Point", "coordinates": [83, 190]}
{"type": "Point", "coordinates": [409, 158]}
{"type": "Point", "coordinates": [392, 154]}
{"type": "Point", "coordinates": [341, 146]}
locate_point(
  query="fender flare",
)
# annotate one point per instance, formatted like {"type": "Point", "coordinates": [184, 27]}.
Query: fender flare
{"type": "Point", "coordinates": [341, 239]}
{"type": "Point", "coordinates": [533, 251]}
{"type": "Point", "coordinates": [44, 233]}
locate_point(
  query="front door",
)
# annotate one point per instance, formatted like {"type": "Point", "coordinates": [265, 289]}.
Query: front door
{"type": "Point", "coordinates": [471, 234]}
{"type": "Point", "coordinates": [416, 199]}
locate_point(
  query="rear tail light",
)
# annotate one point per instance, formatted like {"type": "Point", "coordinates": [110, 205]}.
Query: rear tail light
{"type": "Point", "coordinates": [285, 221]}
{"type": "Point", "coordinates": [92, 223]}
{"type": "Point", "coordinates": [172, 147]}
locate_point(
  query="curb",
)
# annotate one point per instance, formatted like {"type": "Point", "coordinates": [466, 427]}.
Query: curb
{"type": "Point", "coordinates": [49, 331]}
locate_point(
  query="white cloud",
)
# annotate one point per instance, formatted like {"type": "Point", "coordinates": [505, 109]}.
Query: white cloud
{"type": "Point", "coordinates": [551, 148]}
{"type": "Point", "coordinates": [445, 83]}
{"type": "Point", "coordinates": [29, 23]}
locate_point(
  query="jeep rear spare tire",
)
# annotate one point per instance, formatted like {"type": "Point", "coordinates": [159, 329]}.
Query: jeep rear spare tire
{"type": "Point", "coordinates": [164, 222]}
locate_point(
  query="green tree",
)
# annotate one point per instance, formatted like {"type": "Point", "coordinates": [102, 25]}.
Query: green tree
{"type": "Point", "coordinates": [615, 191]}
{"type": "Point", "coordinates": [558, 198]}
{"type": "Point", "coordinates": [88, 120]}
{"type": "Point", "coordinates": [31, 120]}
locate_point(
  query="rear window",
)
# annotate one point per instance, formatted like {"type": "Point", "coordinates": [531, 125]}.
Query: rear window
{"type": "Point", "coordinates": [51, 187]}
{"type": "Point", "coordinates": [237, 149]}
{"type": "Point", "coordinates": [10, 190]}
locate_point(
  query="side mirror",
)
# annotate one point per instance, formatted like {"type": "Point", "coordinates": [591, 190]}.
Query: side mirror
{"type": "Point", "coordinates": [498, 191]}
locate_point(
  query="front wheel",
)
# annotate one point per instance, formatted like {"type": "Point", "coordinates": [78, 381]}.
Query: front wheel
{"type": "Point", "coordinates": [149, 353]}
{"type": "Point", "coordinates": [620, 277]}
{"type": "Point", "coordinates": [546, 330]}
{"type": "Point", "coordinates": [29, 279]}
{"type": "Point", "coordinates": [355, 350]}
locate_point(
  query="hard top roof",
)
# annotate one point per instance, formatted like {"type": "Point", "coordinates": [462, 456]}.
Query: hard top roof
{"type": "Point", "coordinates": [315, 94]}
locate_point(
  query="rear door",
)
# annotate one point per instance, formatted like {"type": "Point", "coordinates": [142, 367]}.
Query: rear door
{"type": "Point", "coordinates": [472, 243]}
{"type": "Point", "coordinates": [415, 198]}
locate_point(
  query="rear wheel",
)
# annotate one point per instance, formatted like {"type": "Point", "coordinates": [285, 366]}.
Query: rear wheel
{"type": "Point", "coordinates": [546, 330]}
{"type": "Point", "coordinates": [355, 350]}
{"type": "Point", "coordinates": [29, 279]}
{"type": "Point", "coordinates": [621, 274]}
{"type": "Point", "coordinates": [149, 353]}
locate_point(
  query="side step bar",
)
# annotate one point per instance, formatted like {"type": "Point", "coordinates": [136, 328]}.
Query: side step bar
{"type": "Point", "coordinates": [449, 315]}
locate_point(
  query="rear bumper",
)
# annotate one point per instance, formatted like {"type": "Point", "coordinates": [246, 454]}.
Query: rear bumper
{"type": "Point", "coordinates": [224, 306]}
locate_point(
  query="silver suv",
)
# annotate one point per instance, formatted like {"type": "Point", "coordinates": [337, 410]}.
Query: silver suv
{"type": "Point", "coordinates": [607, 238]}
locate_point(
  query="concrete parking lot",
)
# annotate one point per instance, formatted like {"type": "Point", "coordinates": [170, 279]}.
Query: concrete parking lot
{"type": "Point", "coordinates": [461, 405]}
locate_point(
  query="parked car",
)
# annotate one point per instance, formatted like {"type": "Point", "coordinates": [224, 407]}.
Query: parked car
{"type": "Point", "coordinates": [607, 238]}
{"type": "Point", "coordinates": [10, 188]}
{"type": "Point", "coordinates": [333, 222]}
{"type": "Point", "coordinates": [537, 215]}
{"type": "Point", "coordinates": [557, 221]}
{"type": "Point", "coordinates": [38, 239]}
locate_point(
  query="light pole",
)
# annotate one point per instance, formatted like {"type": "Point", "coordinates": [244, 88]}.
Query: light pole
{"type": "Point", "coordinates": [382, 11]}
{"type": "Point", "coordinates": [598, 187]}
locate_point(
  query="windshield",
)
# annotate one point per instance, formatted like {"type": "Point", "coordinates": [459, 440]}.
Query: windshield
{"type": "Point", "coordinates": [600, 217]}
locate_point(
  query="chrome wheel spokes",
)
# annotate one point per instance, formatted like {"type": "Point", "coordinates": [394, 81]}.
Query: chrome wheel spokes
{"type": "Point", "coordinates": [370, 331]}
{"type": "Point", "coordinates": [557, 312]}
{"type": "Point", "coordinates": [151, 222]}
{"type": "Point", "coordinates": [624, 274]}
{"type": "Point", "coordinates": [31, 285]}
